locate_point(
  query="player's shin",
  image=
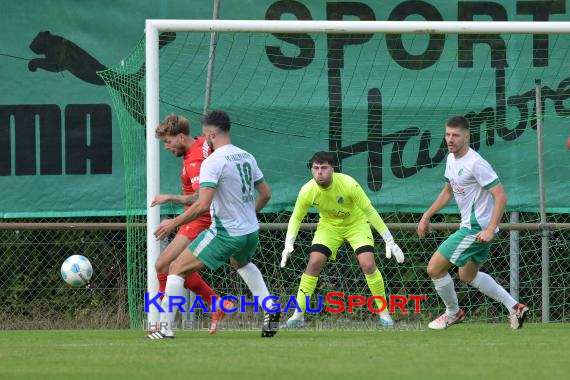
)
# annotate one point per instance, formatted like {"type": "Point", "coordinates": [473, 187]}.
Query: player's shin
{"type": "Point", "coordinates": [490, 288]}
{"type": "Point", "coordinates": [376, 286]}
{"type": "Point", "coordinates": [446, 290]}
{"type": "Point", "coordinates": [196, 284]}
{"type": "Point", "coordinates": [254, 280]}
{"type": "Point", "coordinates": [174, 288]}
{"type": "Point", "coordinates": [306, 289]}
{"type": "Point", "coordinates": [161, 282]}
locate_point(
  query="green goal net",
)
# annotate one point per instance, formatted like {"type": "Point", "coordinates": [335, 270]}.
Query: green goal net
{"type": "Point", "coordinates": [380, 102]}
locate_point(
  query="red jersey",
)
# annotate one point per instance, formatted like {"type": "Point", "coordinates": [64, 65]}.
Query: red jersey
{"type": "Point", "coordinates": [190, 177]}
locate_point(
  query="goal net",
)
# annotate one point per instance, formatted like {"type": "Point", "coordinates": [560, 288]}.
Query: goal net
{"type": "Point", "coordinates": [379, 99]}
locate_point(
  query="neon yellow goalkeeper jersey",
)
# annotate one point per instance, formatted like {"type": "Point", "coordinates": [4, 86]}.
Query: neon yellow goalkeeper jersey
{"type": "Point", "coordinates": [343, 204]}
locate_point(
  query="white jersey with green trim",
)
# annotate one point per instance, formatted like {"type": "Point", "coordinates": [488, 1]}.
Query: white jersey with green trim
{"type": "Point", "coordinates": [470, 178]}
{"type": "Point", "coordinates": [234, 173]}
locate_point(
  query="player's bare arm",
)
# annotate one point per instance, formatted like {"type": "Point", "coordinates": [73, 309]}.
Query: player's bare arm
{"type": "Point", "coordinates": [440, 202]}
{"type": "Point", "coordinates": [186, 200]}
{"type": "Point", "coordinates": [194, 212]}
{"type": "Point", "coordinates": [299, 212]}
{"type": "Point", "coordinates": [263, 196]}
{"type": "Point", "coordinates": [500, 197]}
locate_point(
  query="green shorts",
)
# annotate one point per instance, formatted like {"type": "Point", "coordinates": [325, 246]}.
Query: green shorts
{"type": "Point", "coordinates": [461, 247]}
{"type": "Point", "coordinates": [359, 235]}
{"type": "Point", "coordinates": [214, 247]}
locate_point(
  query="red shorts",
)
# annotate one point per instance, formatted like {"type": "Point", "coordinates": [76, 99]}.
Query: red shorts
{"type": "Point", "coordinates": [193, 229]}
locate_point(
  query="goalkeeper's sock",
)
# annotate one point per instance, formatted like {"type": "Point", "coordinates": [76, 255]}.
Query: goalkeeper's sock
{"type": "Point", "coordinates": [196, 284]}
{"type": "Point", "coordinates": [446, 290]}
{"type": "Point", "coordinates": [161, 283]}
{"type": "Point", "coordinates": [174, 287]}
{"type": "Point", "coordinates": [306, 289]}
{"type": "Point", "coordinates": [254, 280]}
{"type": "Point", "coordinates": [376, 285]}
{"type": "Point", "coordinates": [490, 288]}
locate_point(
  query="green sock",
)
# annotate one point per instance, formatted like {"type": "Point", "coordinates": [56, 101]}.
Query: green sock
{"type": "Point", "coordinates": [376, 285]}
{"type": "Point", "coordinates": [306, 288]}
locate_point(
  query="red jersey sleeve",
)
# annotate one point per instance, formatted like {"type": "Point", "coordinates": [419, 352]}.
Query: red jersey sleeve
{"type": "Point", "coordinates": [194, 175]}
{"type": "Point", "coordinates": [199, 151]}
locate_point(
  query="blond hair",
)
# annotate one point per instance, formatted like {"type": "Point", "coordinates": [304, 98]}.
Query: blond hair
{"type": "Point", "coordinates": [173, 125]}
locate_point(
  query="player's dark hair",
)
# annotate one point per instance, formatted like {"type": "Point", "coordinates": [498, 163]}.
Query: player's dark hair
{"type": "Point", "coordinates": [458, 122]}
{"type": "Point", "coordinates": [172, 126]}
{"type": "Point", "coordinates": [219, 119]}
{"type": "Point", "coordinates": [322, 158]}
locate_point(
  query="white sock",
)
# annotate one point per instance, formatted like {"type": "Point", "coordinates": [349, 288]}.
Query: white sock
{"type": "Point", "coordinates": [385, 315]}
{"type": "Point", "coordinates": [254, 280]}
{"type": "Point", "coordinates": [164, 302]}
{"type": "Point", "coordinates": [446, 290]}
{"type": "Point", "coordinates": [174, 287]}
{"type": "Point", "coordinates": [297, 316]}
{"type": "Point", "coordinates": [490, 288]}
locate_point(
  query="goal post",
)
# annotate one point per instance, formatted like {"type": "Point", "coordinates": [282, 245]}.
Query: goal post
{"type": "Point", "coordinates": [152, 159]}
{"type": "Point", "coordinates": [153, 29]}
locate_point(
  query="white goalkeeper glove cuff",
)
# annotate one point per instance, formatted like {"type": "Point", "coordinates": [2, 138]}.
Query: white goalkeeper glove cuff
{"type": "Point", "coordinates": [289, 247]}
{"type": "Point", "coordinates": [387, 236]}
{"type": "Point", "coordinates": [392, 248]}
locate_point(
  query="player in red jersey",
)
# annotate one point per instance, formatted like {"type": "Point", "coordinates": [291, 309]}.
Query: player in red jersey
{"type": "Point", "coordinates": [174, 131]}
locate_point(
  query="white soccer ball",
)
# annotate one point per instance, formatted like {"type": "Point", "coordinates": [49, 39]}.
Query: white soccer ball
{"type": "Point", "coordinates": [76, 270]}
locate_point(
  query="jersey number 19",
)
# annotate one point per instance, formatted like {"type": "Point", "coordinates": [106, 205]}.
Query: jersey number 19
{"type": "Point", "coordinates": [246, 181]}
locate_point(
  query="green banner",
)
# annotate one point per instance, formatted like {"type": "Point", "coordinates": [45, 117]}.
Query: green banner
{"type": "Point", "coordinates": [60, 150]}
{"type": "Point", "coordinates": [379, 101]}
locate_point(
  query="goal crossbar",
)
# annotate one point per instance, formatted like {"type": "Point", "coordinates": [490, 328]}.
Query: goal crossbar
{"type": "Point", "coordinates": [345, 27]}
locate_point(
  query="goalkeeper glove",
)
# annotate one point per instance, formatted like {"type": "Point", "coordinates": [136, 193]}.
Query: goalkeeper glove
{"type": "Point", "coordinates": [289, 241]}
{"type": "Point", "coordinates": [392, 248]}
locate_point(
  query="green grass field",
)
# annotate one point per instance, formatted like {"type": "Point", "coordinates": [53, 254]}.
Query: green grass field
{"type": "Point", "coordinates": [470, 351]}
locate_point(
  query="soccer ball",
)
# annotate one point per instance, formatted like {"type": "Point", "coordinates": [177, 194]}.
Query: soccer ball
{"type": "Point", "coordinates": [76, 270]}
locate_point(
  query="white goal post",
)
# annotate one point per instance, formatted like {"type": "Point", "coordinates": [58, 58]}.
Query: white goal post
{"type": "Point", "coordinates": [154, 27]}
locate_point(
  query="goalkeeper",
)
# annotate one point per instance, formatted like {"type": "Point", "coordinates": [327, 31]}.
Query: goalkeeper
{"type": "Point", "coordinates": [345, 213]}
